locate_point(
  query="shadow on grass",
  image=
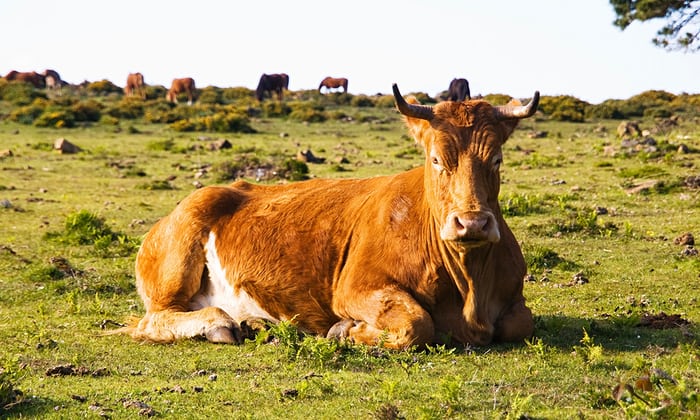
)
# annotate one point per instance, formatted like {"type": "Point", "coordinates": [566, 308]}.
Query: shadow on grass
{"type": "Point", "coordinates": [616, 333]}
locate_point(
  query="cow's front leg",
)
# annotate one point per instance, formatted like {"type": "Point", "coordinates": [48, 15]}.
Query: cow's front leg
{"type": "Point", "coordinates": [389, 317]}
{"type": "Point", "coordinates": [516, 323]}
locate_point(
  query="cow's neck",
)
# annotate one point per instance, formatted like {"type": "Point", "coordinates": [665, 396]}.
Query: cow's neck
{"type": "Point", "coordinates": [471, 272]}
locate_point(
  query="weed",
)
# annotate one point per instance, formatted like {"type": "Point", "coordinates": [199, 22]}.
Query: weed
{"type": "Point", "coordinates": [588, 351]}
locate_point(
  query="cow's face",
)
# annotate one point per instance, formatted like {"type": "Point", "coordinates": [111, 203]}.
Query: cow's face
{"type": "Point", "coordinates": [462, 142]}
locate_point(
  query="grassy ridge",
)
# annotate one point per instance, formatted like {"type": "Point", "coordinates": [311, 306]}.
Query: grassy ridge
{"type": "Point", "coordinates": [603, 261]}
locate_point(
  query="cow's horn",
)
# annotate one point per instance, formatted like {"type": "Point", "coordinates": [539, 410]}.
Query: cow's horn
{"type": "Point", "coordinates": [507, 112]}
{"type": "Point", "coordinates": [424, 112]}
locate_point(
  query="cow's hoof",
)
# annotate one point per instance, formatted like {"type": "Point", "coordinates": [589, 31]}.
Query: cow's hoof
{"type": "Point", "coordinates": [224, 335]}
{"type": "Point", "coordinates": [341, 329]}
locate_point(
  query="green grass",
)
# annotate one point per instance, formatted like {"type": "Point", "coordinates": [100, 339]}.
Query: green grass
{"type": "Point", "coordinates": [68, 240]}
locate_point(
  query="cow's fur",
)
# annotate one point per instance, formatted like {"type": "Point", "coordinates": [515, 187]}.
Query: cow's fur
{"type": "Point", "coordinates": [135, 85]}
{"type": "Point", "coordinates": [334, 83]}
{"type": "Point", "coordinates": [409, 259]}
{"type": "Point", "coordinates": [184, 85]}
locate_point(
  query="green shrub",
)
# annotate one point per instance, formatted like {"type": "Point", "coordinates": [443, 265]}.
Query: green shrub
{"type": "Point", "coordinates": [296, 170]}
{"type": "Point", "coordinates": [26, 114]}
{"type": "Point", "coordinates": [56, 118]}
{"type": "Point", "coordinates": [498, 99]}
{"type": "Point", "coordinates": [232, 94]}
{"type": "Point", "coordinates": [230, 170]}
{"type": "Point", "coordinates": [307, 112]}
{"type": "Point", "coordinates": [102, 88]}
{"type": "Point", "coordinates": [127, 108]}
{"type": "Point", "coordinates": [210, 95]}
{"type": "Point", "coordinates": [155, 92]}
{"type": "Point", "coordinates": [362, 101]}
{"type": "Point", "coordinates": [563, 108]}
{"type": "Point", "coordinates": [19, 93]}
{"type": "Point", "coordinates": [271, 109]}
{"type": "Point", "coordinates": [385, 101]}
{"type": "Point", "coordinates": [89, 110]}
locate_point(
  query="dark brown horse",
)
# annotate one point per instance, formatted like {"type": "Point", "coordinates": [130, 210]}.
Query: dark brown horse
{"type": "Point", "coordinates": [334, 83]}
{"type": "Point", "coordinates": [33, 78]}
{"type": "Point", "coordinates": [272, 83]}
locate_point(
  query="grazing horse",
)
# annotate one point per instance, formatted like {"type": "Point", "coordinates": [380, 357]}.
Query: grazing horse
{"type": "Point", "coordinates": [52, 79]}
{"type": "Point", "coordinates": [135, 85]}
{"type": "Point", "coordinates": [185, 85]}
{"type": "Point", "coordinates": [33, 78]}
{"type": "Point", "coordinates": [334, 83]}
{"type": "Point", "coordinates": [272, 83]}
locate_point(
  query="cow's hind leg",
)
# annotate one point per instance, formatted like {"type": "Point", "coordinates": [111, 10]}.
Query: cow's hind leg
{"type": "Point", "coordinates": [388, 317]}
{"type": "Point", "coordinates": [170, 271]}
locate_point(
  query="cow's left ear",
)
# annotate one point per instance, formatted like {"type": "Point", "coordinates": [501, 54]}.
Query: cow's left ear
{"type": "Point", "coordinates": [416, 126]}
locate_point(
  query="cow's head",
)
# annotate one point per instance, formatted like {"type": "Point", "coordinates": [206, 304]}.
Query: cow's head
{"type": "Point", "coordinates": [462, 142]}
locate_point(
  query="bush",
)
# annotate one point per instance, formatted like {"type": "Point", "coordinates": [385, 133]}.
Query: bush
{"type": "Point", "coordinates": [127, 108]}
{"type": "Point", "coordinates": [271, 109]}
{"type": "Point", "coordinates": [362, 101]}
{"type": "Point", "coordinates": [564, 108]}
{"type": "Point", "coordinates": [230, 122]}
{"type": "Point", "coordinates": [19, 93]}
{"type": "Point", "coordinates": [155, 92]}
{"type": "Point", "coordinates": [210, 95]}
{"type": "Point", "coordinates": [89, 110]}
{"type": "Point", "coordinates": [385, 101]}
{"type": "Point", "coordinates": [295, 170]}
{"type": "Point", "coordinates": [57, 118]}
{"type": "Point", "coordinates": [27, 114]}
{"type": "Point", "coordinates": [498, 99]}
{"type": "Point", "coordinates": [232, 94]}
{"type": "Point", "coordinates": [102, 88]}
{"type": "Point", "coordinates": [307, 112]}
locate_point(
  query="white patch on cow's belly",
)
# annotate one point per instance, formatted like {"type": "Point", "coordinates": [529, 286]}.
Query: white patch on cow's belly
{"type": "Point", "coordinates": [238, 304]}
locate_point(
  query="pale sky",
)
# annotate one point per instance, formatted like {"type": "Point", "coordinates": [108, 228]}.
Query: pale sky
{"type": "Point", "coordinates": [514, 47]}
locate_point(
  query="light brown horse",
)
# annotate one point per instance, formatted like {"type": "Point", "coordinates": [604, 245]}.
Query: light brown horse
{"type": "Point", "coordinates": [134, 85]}
{"type": "Point", "coordinates": [334, 83]}
{"type": "Point", "coordinates": [184, 85]}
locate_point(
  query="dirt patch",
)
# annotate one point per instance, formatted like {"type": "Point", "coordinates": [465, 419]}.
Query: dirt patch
{"type": "Point", "coordinates": [71, 370]}
{"type": "Point", "coordinates": [662, 321]}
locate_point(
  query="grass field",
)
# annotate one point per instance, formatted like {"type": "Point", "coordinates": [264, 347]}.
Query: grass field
{"type": "Point", "coordinates": [613, 288]}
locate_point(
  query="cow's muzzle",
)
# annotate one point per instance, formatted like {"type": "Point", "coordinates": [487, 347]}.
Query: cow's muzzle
{"type": "Point", "coordinates": [473, 228]}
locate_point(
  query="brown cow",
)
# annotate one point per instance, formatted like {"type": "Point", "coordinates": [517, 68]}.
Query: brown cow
{"type": "Point", "coordinates": [33, 78]}
{"type": "Point", "coordinates": [184, 85]}
{"type": "Point", "coordinates": [397, 260]}
{"type": "Point", "coordinates": [334, 83]}
{"type": "Point", "coordinates": [135, 85]}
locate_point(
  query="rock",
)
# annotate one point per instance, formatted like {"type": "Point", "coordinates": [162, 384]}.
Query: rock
{"type": "Point", "coordinates": [308, 157]}
{"type": "Point", "coordinates": [685, 239]}
{"type": "Point", "coordinates": [64, 146]}
{"type": "Point", "coordinates": [628, 128]}
{"type": "Point", "coordinates": [642, 187]}
{"type": "Point", "coordinates": [5, 153]}
{"type": "Point", "coordinates": [220, 145]}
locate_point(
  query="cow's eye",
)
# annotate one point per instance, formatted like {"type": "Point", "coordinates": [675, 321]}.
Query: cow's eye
{"type": "Point", "coordinates": [437, 165]}
{"type": "Point", "coordinates": [497, 160]}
